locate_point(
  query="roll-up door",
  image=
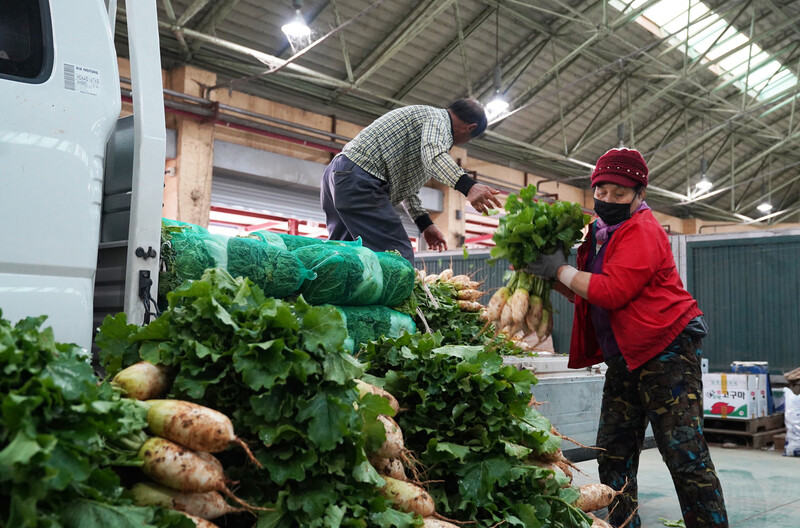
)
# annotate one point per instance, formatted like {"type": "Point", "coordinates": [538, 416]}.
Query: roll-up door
{"type": "Point", "coordinates": [263, 195]}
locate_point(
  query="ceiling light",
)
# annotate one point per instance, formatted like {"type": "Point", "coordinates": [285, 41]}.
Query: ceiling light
{"type": "Point", "coordinates": [297, 31]}
{"type": "Point", "coordinates": [764, 207]}
{"type": "Point", "coordinates": [704, 185]}
{"type": "Point", "coordinates": [496, 106]}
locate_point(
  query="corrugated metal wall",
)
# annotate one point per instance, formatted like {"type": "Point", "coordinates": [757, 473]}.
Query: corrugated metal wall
{"type": "Point", "coordinates": [476, 265]}
{"type": "Point", "coordinates": [749, 290]}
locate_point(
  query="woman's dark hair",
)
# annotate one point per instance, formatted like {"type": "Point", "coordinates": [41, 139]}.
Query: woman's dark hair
{"type": "Point", "coordinates": [470, 111]}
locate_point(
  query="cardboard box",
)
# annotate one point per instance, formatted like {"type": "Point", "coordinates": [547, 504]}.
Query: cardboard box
{"type": "Point", "coordinates": [733, 396]}
{"type": "Point", "coordinates": [758, 367]}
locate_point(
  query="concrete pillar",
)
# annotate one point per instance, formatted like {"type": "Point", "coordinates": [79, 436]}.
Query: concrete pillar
{"type": "Point", "coordinates": [451, 219]}
{"type": "Point", "coordinates": [195, 148]}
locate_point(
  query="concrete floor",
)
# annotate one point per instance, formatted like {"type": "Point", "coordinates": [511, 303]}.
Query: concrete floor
{"type": "Point", "coordinates": [761, 487]}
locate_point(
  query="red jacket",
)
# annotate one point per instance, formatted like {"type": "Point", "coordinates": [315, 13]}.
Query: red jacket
{"type": "Point", "coordinates": [648, 305]}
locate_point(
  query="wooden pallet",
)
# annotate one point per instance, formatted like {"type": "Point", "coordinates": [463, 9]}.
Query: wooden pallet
{"type": "Point", "coordinates": [750, 426]}
{"type": "Point", "coordinates": [754, 440]}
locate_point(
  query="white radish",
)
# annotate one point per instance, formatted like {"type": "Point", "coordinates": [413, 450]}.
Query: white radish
{"type": "Point", "coordinates": [193, 426]}
{"type": "Point", "coordinates": [595, 497]}
{"type": "Point", "coordinates": [365, 388]}
{"type": "Point", "coordinates": [178, 468]}
{"type": "Point", "coordinates": [495, 307]}
{"type": "Point", "coordinates": [598, 522]}
{"type": "Point", "coordinates": [206, 505]}
{"type": "Point", "coordinates": [469, 295]}
{"type": "Point", "coordinates": [201, 523]}
{"type": "Point", "coordinates": [393, 446]}
{"type": "Point", "coordinates": [507, 317]}
{"type": "Point", "coordinates": [446, 274]}
{"type": "Point", "coordinates": [470, 306]}
{"type": "Point", "coordinates": [143, 381]}
{"type": "Point", "coordinates": [390, 467]}
{"type": "Point", "coordinates": [408, 497]}
{"type": "Point", "coordinates": [436, 523]}
{"type": "Point", "coordinates": [534, 315]}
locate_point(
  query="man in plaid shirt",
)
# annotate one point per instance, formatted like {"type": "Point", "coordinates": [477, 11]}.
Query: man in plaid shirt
{"type": "Point", "coordinates": [388, 162]}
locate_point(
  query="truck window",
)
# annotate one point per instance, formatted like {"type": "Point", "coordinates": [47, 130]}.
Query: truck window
{"type": "Point", "coordinates": [26, 41]}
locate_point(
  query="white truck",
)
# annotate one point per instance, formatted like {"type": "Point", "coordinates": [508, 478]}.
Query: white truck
{"type": "Point", "coordinates": [81, 195]}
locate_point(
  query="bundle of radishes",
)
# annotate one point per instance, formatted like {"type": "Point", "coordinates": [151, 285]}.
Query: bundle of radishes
{"type": "Point", "coordinates": [467, 292]}
{"type": "Point", "coordinates": [390, 461]}
{"type": "Point", "coordinates": [521, 309]}
{"type": "Point", "coordinates": [530, 228]}
{"type": "Point", "coordinates": [186, 476]}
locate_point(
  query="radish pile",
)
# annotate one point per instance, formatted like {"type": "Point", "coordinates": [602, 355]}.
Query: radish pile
{"type": "Point", "coordinates": [186, 476]}
{"type": "Point", "coordinates": [411, 432]}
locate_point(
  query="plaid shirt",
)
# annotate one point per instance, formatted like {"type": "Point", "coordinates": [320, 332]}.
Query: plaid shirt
{"type": "Point", "coordinates": [406, 147]}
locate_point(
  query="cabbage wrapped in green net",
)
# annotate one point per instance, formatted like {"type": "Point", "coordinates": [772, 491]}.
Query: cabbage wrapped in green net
{"type": "Point", "coordinates": [293, 242]}
{"type": "Point", "coordinates": [185, 226]}
{"type": "Point", "coordinates": [369, 323]}
{"type": "Point", "coordinates": [187, 250]}
{"type": "Point", "coordinates": [276, 271]}
{"type": "Point", "coordinates": [369, 288]}
{"type": "Point", "coordinates": [347, 275]}
{"type": "Point", "coordinates": [273, 239]}
{"type": "Point", "coordinates": [398, 278]}
{"type": "Point", "coordinates": [335, 270]}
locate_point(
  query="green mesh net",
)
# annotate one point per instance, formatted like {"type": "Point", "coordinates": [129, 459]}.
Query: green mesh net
{"type": "Point", "coordinates": [343, 273]}
{"type": "Point", "coordinates": [334, 272]}
{"type": "Point", "coordinates": [188, 250]}
{"type": "Point", "coordinates": [293, 242]}
{"type": "Point", "coordinates": [398, 278]}
{"type": "Point", "coordinates": [185, 255]}
{"type": "Point", "coordinates": [273, 239]}
{"type": "Point", "coordinates": [276, 271]}
{"type": "Point", "coordinates": [369, 323]}
{"type": "Point", "coordinates": [347, 275]}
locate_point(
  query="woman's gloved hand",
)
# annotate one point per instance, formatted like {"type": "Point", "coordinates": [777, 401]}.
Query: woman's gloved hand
{"type": "Point", "coordinates": [547, 266]}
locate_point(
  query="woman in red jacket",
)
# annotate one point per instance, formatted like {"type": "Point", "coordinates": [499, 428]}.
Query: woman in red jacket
{"type": "Point", "coordinates": [632, 311]}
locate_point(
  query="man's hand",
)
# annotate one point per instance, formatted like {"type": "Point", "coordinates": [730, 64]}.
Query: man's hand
{"type": "Point", "coordinates": [482, 197]}
{"type": "Point", "coordinates": [435, 238]}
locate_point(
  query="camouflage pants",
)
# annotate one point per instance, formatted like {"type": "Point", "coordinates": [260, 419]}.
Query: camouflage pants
{"type": "Point", "coordinates": [667, 392]}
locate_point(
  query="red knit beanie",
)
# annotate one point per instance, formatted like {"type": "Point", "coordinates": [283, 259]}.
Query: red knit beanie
{"type": "Point", "coordinates": [624, 167]}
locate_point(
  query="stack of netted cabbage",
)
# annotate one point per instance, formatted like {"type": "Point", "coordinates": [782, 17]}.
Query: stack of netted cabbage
{"type": "Point", "coordinates": [342, 273]}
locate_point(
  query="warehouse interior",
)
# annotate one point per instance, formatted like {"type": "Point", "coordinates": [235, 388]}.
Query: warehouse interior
{"type": "Point", "coordinates": [247, 339]}
{"type": "Point", "coordinates": [706, 90]}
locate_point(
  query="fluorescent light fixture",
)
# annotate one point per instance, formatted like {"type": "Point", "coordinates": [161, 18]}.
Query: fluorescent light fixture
{"type": "Point", "coordinates": [764, 207]}
{"type": "Point", "coordinates": [704, 184]}
{"type": "Point", "coordinates": [749, 68]}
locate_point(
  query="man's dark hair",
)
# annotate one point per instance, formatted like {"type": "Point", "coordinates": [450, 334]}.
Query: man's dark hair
{"type": "Point", "coordinates": [470, 111]}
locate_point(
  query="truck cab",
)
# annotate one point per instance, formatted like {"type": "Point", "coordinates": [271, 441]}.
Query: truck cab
{"type": "Point", "coordinates": [59, 139]}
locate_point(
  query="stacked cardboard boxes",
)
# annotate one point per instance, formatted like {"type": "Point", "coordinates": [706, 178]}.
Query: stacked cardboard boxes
{"type": "Point", "coordinates": [737, 396]}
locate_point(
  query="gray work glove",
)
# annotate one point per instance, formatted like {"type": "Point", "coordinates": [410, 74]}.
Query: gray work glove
{"type": "Point", "coordinates": [546, 266]}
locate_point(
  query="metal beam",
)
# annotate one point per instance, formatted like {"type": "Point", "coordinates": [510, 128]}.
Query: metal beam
{"type": "Point", "coordinates": [191, 11]}
{"type": "Point", "coordinates": [178, 35]}
{"type": "Point", "coordinates": [425, 12]}
{"type": "Point", "coordinates": [219, 12]}
{"type": "Point", "coordinates": [444, 52]}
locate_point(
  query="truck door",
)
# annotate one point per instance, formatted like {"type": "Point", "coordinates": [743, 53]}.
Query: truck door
{"type": "Point", "coordinates": [59, 91]}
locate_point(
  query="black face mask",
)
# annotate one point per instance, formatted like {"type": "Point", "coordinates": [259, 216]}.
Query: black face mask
{"type": "Point", "coordinates": [612, 213]}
